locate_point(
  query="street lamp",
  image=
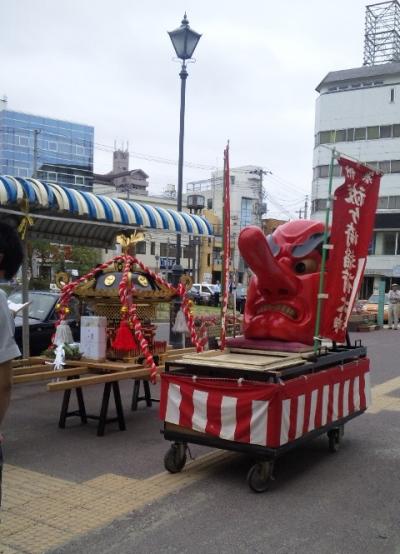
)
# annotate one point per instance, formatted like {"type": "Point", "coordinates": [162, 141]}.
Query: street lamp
{"type": "Point", "coordinates": [184, 41]}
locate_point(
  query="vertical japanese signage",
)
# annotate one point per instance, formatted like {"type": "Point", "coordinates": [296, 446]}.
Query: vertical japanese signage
{"type": "Point", "coordinates": [353, 218]}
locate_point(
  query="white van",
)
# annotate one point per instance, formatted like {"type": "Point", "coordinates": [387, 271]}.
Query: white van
{"type": "Point", "coordinates": [202, 293]}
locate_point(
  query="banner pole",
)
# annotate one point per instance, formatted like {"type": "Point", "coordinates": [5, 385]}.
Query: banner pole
{"type": "Point", "coordinates": [317, 339]}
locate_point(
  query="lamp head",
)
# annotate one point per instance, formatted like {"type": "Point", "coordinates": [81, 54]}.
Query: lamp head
{"type": "Point", "coordinates": [184, 40]}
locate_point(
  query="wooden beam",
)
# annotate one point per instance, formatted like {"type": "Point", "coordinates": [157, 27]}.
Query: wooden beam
{"type": "Point", "coordinates": [26, 369]}
{"type": "Point", "coordinates": [98, 379]}
{"type": "Point", "coordinates": [45, 375]}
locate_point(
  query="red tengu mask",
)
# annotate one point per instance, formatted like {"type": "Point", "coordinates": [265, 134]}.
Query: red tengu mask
{"type": "Point", "coordinates": [282, 294]}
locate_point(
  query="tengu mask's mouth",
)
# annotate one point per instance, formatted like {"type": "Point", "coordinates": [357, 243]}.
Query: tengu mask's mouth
{"type": "Point", "coordinates": [281, 308]}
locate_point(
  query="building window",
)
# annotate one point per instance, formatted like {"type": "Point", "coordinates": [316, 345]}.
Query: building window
{"type": "Point", "coordinates": [325, 137]}
{"type": "Point", "coordinates": [385, 243]}
{"type": "Point", "coordinates": [395, 166]}
{"type": "Point", "coordinates": [384, 166]}
{"type": "Point", "coordinates": [360, 133]}
{"type": "Point", "coordinates": [23, 141]}
{"type": "Point", "coordinates": [140, 247]}
{"type": "Point", "coordinates": [209, 203]}
{"type": "Point", "coordinates": [383, 202]}
{"type": "Point", "coordinates": [386, 131]}
{"type": "Point", "coordinates": [53, 146]}
{"type": "Point", "coordinates": [167, 250]}
{"type": "Point", "coordinates": [350, 135]}
{"type": "Point", "coordinates": [208, 260]}
{"type": "Point", "coordinates": [22, 172]}
{"type": "Point", "coordinates": [372, 132]}
{"type": "Point", "coordinates": [52, 176]}
{"type": "Point", "coordinates": [152, 248]}
{"type": "Point", "coordinates": [79, 180]}
{"type": "Point", "coordinates": [341, 135]}
{"type": "Point", "coordinates": [246, 212]}
{"type": "Point", "coordinates": [232, 177]}
{"type": "Point", "coordinates": [394, 202]}
{"type": "Point", "coordinates": [80, 151]}
{"type": "Point", "coordinates": [392, 94]}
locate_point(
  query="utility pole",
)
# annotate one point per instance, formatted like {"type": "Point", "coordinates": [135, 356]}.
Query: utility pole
{"type": "Point", "coordinates": [260, 172]}
{"type": "Point", "coordinates": [300, 213]}
{"type": "Point", "coordinates": [306, 207]}
{"type": "Point", "coordinates": [35, 152]}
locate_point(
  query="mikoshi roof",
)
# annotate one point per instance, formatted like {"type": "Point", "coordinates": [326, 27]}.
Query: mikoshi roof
{"type": "Point", "coordinates": [66, 214]}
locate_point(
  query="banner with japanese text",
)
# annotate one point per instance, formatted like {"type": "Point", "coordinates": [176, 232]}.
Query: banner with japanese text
{"type": "Point", "coordinates": [353, 218]}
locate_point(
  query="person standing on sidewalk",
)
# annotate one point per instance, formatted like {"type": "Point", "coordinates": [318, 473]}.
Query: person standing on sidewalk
{"type": "Point", "coordinates": [11, 255]}
{"type": "Point", "coordinates": [394, 306]}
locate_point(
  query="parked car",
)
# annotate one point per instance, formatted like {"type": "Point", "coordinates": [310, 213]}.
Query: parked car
{"type": "Point", "coordinates": [203, 293]}
{"type": "Point", "coordinates": [42, 317]}
{"type": "Point", "coordinates": [370, 307]}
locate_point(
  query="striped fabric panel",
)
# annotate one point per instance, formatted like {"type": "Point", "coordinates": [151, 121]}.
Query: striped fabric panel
{"type": "Point", "coordinates": [99, 207]}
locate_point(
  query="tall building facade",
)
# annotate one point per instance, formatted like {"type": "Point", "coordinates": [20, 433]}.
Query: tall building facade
{"type": "Point", "coordinates": [358, 114]}
{"type": "Point", "coordinates": [50, 149]}
{"type": "Point", "coordinates": [247, 207]}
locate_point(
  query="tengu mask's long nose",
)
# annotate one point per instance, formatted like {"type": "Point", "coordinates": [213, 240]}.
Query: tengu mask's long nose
{"type": "Point", "coordinates": [272, 276]}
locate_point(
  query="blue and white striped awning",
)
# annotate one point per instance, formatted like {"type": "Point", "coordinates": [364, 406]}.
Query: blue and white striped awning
{"type": "Point", "coordinates": [57, 203]}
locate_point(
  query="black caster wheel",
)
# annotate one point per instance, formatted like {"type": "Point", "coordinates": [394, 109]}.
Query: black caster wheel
{"type": "Point", "coordinates": [175, 458]}
{"type": "Point", "coordinates": [334, 436]}
{"type": "Point", "coordinates": [259, 476]}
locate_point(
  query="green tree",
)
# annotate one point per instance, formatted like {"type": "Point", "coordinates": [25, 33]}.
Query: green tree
{"type": "Point", "coordinates": [84, 258]}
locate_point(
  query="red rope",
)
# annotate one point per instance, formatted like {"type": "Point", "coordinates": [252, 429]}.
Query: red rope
{"type": "Point", "coordinates": [131, 313]}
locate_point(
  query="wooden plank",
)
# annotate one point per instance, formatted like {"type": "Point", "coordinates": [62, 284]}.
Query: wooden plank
{"type": "Point", "coordinates": [242, 365]}
{"type": "Point", "coordinates": [108, 365]}
{"type": "Point", "coordinates": [24, 370]}
{"type": "Point", "coordinates": [45, 375]}
{"type": "Point", "coordinates": [98, 379]}
{"type": "Point", "coordinates": [281, 354]}
{"type": "Point", "coordinates": [235, 359]}
{"type": "Point", "coordinates": [178, 351]}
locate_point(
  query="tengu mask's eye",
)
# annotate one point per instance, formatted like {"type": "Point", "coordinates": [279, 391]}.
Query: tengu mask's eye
{"type": "Point", "coordinates": [308, 265]}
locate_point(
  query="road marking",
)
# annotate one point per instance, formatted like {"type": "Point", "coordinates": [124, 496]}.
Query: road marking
{"type": "Point", "coordinates": [381, 398]}
{"type": "Point", "coordinates": [41, 512]}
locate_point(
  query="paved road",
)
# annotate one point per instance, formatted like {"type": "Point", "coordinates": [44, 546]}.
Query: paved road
{"type": "Point", "coordinates": [120, 500]}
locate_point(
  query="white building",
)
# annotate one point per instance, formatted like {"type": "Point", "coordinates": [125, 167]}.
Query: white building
{"type": "Point", "coordinates": [358, 113]}
{"type": "Point", "coordinates": [247, 207]}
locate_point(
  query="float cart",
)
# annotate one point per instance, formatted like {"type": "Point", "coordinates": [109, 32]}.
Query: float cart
{"type": "Point", "coordinates": [260, 401]}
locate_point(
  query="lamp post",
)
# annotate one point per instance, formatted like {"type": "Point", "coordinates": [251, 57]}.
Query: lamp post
{"type": "Point", "coordinates": [184, 41]}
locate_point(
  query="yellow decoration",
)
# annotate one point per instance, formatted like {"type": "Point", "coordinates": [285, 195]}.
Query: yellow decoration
{"type": "Point", "coordinates": [126, 242]}
{"type": "Point", "coordinates": [109, 280]}
{"type": "Point", "coordinates": [142, 280]}
{"type": "Point", "coordinates": [58, 306]}
{"type": "Point", "coordinates": [26, 221]}
{"type": "Point", "coordinates": [67, 310]}
{"type": "Point", "coordinates": [187, 281]}
{"type": "Point", "coordinates": [124, 309]}
{"type": "Point", "coordinates": [62, 278]}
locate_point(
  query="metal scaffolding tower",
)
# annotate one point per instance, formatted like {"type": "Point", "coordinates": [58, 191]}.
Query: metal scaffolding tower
{"type": "Point", "coordinates": [382, 33]}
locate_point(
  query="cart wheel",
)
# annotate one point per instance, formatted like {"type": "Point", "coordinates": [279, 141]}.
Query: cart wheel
{"type": "Point", "coordinates": [334, 436]}
{"type": "Point", "coordinates": [259, 476]}
{"type": "Point", "coordinates": [175, 458]}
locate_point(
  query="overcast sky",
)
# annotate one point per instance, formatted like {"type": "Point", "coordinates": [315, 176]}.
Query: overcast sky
{"type": "Point", "coordinates": [109, 63]}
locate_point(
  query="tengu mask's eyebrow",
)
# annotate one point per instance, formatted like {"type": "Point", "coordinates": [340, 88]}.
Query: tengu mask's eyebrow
{"type": "Point", "coordinates": [307, 247]}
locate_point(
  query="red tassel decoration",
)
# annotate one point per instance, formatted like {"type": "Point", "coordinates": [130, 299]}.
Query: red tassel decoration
{"type": "Point", "coordinates": [123, 339]}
